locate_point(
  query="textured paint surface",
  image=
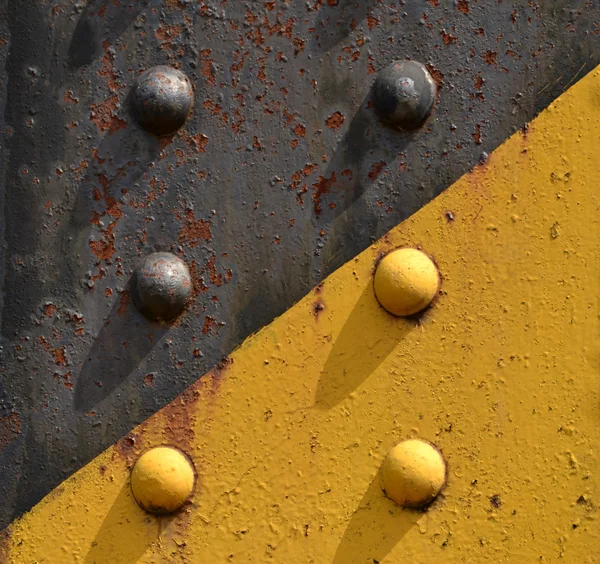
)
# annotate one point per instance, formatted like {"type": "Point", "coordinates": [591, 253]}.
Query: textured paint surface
{"type": "Point", "coordinates": [502, 374]}
{"type": "Point", "coordinates": [281, 174]}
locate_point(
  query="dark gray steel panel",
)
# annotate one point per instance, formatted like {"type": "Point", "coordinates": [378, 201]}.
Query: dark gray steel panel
{"type": "Point", "coordinates": [280, 175]}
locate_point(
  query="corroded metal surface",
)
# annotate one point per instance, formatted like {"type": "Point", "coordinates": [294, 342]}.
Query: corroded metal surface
{"type": "Point", "coordinates": [303, 444]}
{"type": "Point", "coordinates": [281, 173]}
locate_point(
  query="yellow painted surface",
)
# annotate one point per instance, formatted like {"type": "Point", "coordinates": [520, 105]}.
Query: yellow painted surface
{"type": "Point", "coordinates": [502, 374]}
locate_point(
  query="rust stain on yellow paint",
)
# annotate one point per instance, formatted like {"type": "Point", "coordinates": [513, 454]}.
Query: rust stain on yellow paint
{"type": "Point", "coordinates": [502, 374]}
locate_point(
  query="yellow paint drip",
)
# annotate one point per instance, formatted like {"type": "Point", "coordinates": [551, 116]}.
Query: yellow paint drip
{"type": "Point", "coordinates": [406, 281]}
{"type": "Point", "coordinates": [502, 375]}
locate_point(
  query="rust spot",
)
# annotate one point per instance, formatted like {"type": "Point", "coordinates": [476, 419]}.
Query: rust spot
{"type": "Point", "coordinates": [96, 157]}
{"type": "Point", "coordinates": [108, 292]}
{"type": "Point", "coordinates": [321, 187]}
{"type": "Point", "coordinates": [490, 57]}
{"type": "Point", "coordinates": [167, 34]}
{"type": "Point", "coordinates": [335, 120]}
{"type": "Point", "coordinates": [199, 141]}
{"type": "Point", "coordinates": [434, 3]}
{"type": "Point", "coordinates": [10, 428]}
{"type": "Point", "coordinates": [194, 230]}
{"type": "Point", "coordinates": [372, 21]}
{"type": "Point", "coordinates": [103, 249]}
{"type": "Point", "coordinates": [437, 75]}
{"type": "Point", "coordinates": [209, 323]}
{"type": "Point", "coordinates": [300, 130]}
{"type": "Point", "coordinates": [83, 165]}
{"type": "Point", "coordinates": [66, 378]}
{"type": "Point", "coordinates": [59, 356]}
{"type": "Point", "coordinates": [495, 501]}
{"type": "Point", "coordinates": [376, 170]}
{"type": "Point", "coordinates": [447, 38]}
{"type": "Point", "coordinates": [128, 448]}
{"type": "Point", "coordinates": [224, 364]}
{"type": "Point", "coordinates": [149, 380]}
{"type": "Point", "coordinates": [103, 115]}
{"type": "Point", "coordinates": [198, 284]}
{"type": "Point", "coordinates": [216, 279]}
{"type": "Point", "coordinates": [318, 307]}
{"type": "Point", "coordinates": [49, 310]}
{"type": "Point", "coordinates": [107, 71]}
{"type": "Point", "coordinates": [123, 302]}
{"type": "Point", "coordinates": [69, 98]}
{"type": "Point", "coordinates": [476, 135]}
{"type": "Point", "coordinates": [207, 66]}
{"type": "Point", "coordinates": [479, 82]}
{"type": "Point", "coordinates": [463, 6]}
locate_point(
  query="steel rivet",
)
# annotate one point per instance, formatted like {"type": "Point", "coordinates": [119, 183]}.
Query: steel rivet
{"type": "Point", "coordinates": [406, 281]}
{"type": "Point", "coordinates": [413, 473]}
{"type": "Point", "coordinates": [162, 480]}
{"type": "Point", "coordinates": [161, 100]}
{"type": "Point", "coordinates": [404, 94]}
{"type": "Point", "coordinates": [161, 286]}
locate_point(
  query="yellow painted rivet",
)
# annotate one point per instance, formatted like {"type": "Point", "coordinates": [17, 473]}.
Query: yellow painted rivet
{"type": "Point", "coordinates": [413, 473]}
{"type": "Point", "coordinates": [162, 480]}
{"type": "Point", "coordinates": [406, 281]}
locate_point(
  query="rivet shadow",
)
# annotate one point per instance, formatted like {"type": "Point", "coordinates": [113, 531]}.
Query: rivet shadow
{"type": "Point", "coordinates": [124, 340]}
{"type": "Point", "coordinates": [375, 528]}
{"type": "Point", "coordinates": [365, 341]}
{"type": "Point", "coordinates": [117, 537]}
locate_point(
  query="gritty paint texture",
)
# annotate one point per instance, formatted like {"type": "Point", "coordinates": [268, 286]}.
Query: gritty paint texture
{"type": "Point", "coordinates": [255, 192]}
{"type": "Point", "coordinates": [289, 433]}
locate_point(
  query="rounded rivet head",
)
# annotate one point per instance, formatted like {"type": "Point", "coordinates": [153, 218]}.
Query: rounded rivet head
{"type": "Point", "coordinates": [404, 94]}
{"type": "Point", "coordinates": [161, 286]}
{"type": "Point", "coordinates": [406, 281]}
{"type": "Point", "coordinates": [162, 480]}
{"type": "Point", "coordinates": [161, 100]}
{"type": "Point", "coordinates": [413, 473]}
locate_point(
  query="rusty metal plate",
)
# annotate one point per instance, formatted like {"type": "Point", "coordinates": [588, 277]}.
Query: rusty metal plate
{"type": "Point", "coordinates": [281, 174]}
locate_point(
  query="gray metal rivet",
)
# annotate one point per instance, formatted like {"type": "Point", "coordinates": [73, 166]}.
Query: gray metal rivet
{"type": "Point", "coordinates": [404, 94]}
{"type": "Point", "coordinates": [161, 100]}
{"type": "Point", "coordinates": [161, 286]}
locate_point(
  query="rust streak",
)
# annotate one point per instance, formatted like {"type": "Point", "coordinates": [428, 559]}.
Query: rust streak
{"type": "Point", "coordinates": [10, 428]}
{"type": "Point", "coordinates": [123, 302]}
{"type": "Point", "coordinates": [321, 187]}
